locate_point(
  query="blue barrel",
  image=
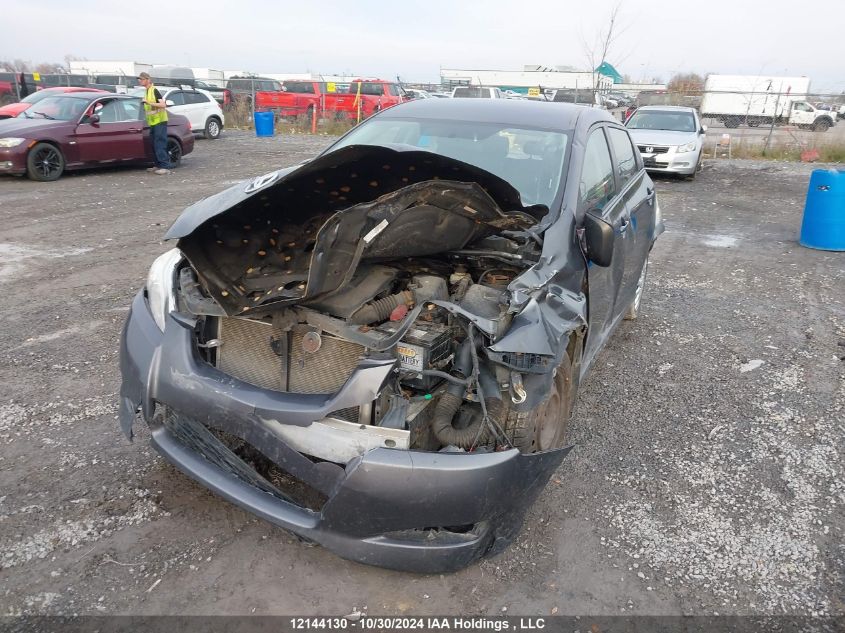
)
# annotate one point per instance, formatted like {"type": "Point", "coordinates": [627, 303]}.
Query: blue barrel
{"type": "Point", "coordinates": [264, 124]}
{"type": "Point", "coordinates": [824, 212]}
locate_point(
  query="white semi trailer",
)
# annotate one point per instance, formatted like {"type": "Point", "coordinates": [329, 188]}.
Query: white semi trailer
{"type": "Point", "coordinates": [759, 100]}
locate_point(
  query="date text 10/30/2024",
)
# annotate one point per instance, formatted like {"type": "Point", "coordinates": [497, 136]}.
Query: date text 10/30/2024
{"type": "Point", "coordinates": [406, 623]}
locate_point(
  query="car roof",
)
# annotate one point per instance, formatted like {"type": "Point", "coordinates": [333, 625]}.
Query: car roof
{"type": "Point", "coordinates": [91, 96]}
{"type": "Point", "coordinates": [543, 114]}
{"type": "Point", "coordinates": [65, 89]}
{"type": "Point", "coordinates": [667, 107]}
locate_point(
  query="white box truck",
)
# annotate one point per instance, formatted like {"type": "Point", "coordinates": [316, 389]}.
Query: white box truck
{"type": "Point", "coordinates": [111, 75]}
{"type": "Point", "coordinates": [760, 100]}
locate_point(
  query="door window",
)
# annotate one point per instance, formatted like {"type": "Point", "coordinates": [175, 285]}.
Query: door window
{"type": "Point", "coordinates": [132, 108]}
{"type": "Point", "coordinates": [626, 162]}
{"type": "Point", "coordinates": [177, 97]}
{"type": "Point", "coordinates": [112, 112]}
{"type": "Point", "coordinates": [195, 98]}
{"type": "Point", "coordinates": [597, 187]}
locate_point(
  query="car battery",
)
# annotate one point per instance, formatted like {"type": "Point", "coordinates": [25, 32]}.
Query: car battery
{"type": "Point", "coordinates": [424, 346]}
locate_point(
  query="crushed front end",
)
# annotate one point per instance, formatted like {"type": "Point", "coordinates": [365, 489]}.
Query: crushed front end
{"type": "Point", "coordinates": [340, 350]}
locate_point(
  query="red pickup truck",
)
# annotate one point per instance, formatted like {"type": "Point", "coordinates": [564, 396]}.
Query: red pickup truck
{"type": "Point", "coordinates": [364, 96]}
{"type": "Point", "coordinates": [7, 93]}
{"type": "Point", "coordinates": [301, 98]}
{"type": "Point", "coordinates": [266, 92]}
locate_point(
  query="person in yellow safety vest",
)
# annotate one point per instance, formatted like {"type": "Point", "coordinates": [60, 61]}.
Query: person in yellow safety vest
{"type": "Point", "coordinates": [156, 111]}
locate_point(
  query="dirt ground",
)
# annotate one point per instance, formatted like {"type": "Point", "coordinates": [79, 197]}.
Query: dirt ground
{"type": "Point", "coordinates": [707, 475]}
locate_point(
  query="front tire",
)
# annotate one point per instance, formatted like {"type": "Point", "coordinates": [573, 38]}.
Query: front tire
{"type": "Point", "coordinates": [213, 127]}
{"type": "Point", "coordinates": [45, 163]}
{"type": "Point", "coordinates": [546, 426]}
{"type": "Point", "coordinates": [821, 126]}
{"type": "Point", "coordinates": [174, 151]}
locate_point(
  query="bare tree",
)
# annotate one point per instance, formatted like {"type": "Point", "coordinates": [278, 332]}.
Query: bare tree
{"type": "Point", "coordinates": [687, 84]}
{"type": "Point", "coordinates": [596, 52]}
{"type": "Point", "coordinates": [22, 65]}
{"type": "Point", "coordinates": [50, 69]}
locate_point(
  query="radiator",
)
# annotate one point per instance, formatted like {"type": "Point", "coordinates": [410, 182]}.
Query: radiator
{"type": "Point", "coordinates": [247, 353]}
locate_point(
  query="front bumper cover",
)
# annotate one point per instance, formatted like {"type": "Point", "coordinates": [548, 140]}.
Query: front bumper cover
{"type": "Point", "coordinates": [391, 508]}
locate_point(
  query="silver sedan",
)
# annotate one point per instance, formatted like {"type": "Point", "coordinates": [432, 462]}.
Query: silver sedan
{"type": "Point", "coordinates": [670, 138]}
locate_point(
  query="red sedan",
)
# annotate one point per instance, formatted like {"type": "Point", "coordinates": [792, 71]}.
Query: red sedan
{"type": "Point", "coordinates": [14, 109]}
{"type": "Point", "coordinates": [84, 129]}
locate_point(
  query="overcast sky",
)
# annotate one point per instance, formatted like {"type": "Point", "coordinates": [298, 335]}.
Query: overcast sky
{"type": "Point", "coordinates": [414, 40]}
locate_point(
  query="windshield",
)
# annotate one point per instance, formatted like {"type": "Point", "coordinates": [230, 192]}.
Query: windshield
{"type": "Point", "coordinates": [58, 107]}
{"type": "Point", "coordinates": [367, 88]}
{"type": "Point", "coordinates": [661, 120]}
{"type": "Point", "coordinates": [531, 160]}
{"type": "Point", "coordinates": [35, 97]}
{"type": "Point", "coordinates": [471, 93]}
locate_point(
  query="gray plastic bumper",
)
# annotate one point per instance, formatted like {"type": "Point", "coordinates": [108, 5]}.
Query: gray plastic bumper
{"type": "Point", "coordinates": [391, 508]}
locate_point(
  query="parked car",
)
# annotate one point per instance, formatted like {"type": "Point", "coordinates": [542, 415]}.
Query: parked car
{"type": "Point", "coordinates": [79, 130]}
{"type": "Point", "coordinates": [567, 95]}
{"type": "Point", "coordinates": [670, 138]}
{"type": "Point", "coordinates": [414, 93]}
{"type": "Point", "coordinates": [476, 92]}
{"type": "Point", "coordinates": [7, 93]}
{"type": "Point", "coordinates": [363, 98]}
{"type": "Point", "coordinates": [264, 93]}
{"type": "Point", "coordinates": [14, 109]}
{"type": "Point", "coordinates": [198, 106]}
{"type": "Point", "coordinates": [221, 95]}
{"type": "Point", "coordinates": [400, 324]}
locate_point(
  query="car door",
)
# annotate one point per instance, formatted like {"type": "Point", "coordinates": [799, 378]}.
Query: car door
{"type": "Point", "coordinates": [637, 191]}
{"type": "Point", "coordinates": [196, 108]}
{"type": "Point", "coordinates": [598, 195]}
{"type": "Point", "coordinates": [802, 113]}
{"type": "Point", "coordinates": [117, 136]}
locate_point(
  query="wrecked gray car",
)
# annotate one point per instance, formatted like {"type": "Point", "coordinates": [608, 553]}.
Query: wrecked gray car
{"type": "Point", "coordinates": [379, 350]}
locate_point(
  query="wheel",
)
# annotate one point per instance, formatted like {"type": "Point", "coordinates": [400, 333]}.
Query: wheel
{"type": "Point", "coordinates": [45, 163]}
{"type": "Point", "coordinates": [634, 309]}
{"type": "Point", "coordinates": [544, 427]}
{"type": "Point", "coordinates": [821, 126]}
{"type": "Point", "coordinates": [697, 169]}
{"type": "Point", "coordinates": [213, 128]}
{"type": "Point", "coordinates": [732, 121]}
{"type": "Point", "coordinates": [174, 151]}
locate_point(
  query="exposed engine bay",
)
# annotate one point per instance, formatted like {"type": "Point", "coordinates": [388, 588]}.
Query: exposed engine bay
{"type": "Point", "coordinates": [297, 284]}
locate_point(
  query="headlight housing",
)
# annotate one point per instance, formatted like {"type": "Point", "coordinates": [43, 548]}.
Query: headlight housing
{"type": "Point", "coordinates": [11, 141]}
{"type": "Point", "coordinates": [689, 147]}
{"type": "Point", "coordinates": [161, 283]}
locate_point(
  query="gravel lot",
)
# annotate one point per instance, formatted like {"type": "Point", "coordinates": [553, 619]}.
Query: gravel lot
{"type": "Point", "coordinates": [707, 476]}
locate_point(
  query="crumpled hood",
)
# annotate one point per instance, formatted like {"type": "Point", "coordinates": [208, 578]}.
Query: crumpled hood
{"type": "Point", "coordinates": [662, 137]}
{"type": "Point", "coordinates": [351, 175]}
{"type": "Point", "coordinates": [301, 233]}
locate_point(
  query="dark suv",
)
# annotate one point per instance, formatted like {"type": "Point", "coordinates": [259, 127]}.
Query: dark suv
{"type": "Point", "coordinates": [264, 92]}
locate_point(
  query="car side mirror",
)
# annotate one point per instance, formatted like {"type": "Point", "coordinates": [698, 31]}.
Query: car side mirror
{"type": "Point", "coordinates": [703, 129]}
{"type": "Point", "coordinates": [169, 103]}
{"type": "Point", "coordinates": [93, 119]}
{"type": "Point", "coordinates": [599, 237]}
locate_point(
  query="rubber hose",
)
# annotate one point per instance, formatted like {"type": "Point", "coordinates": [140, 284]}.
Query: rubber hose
{"type": "Point", "coordinates": [450, 402]}
{"type": "Point", "coordinates": [380, 309]}
{"type": "Point", "coordinates": [442, 428]}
